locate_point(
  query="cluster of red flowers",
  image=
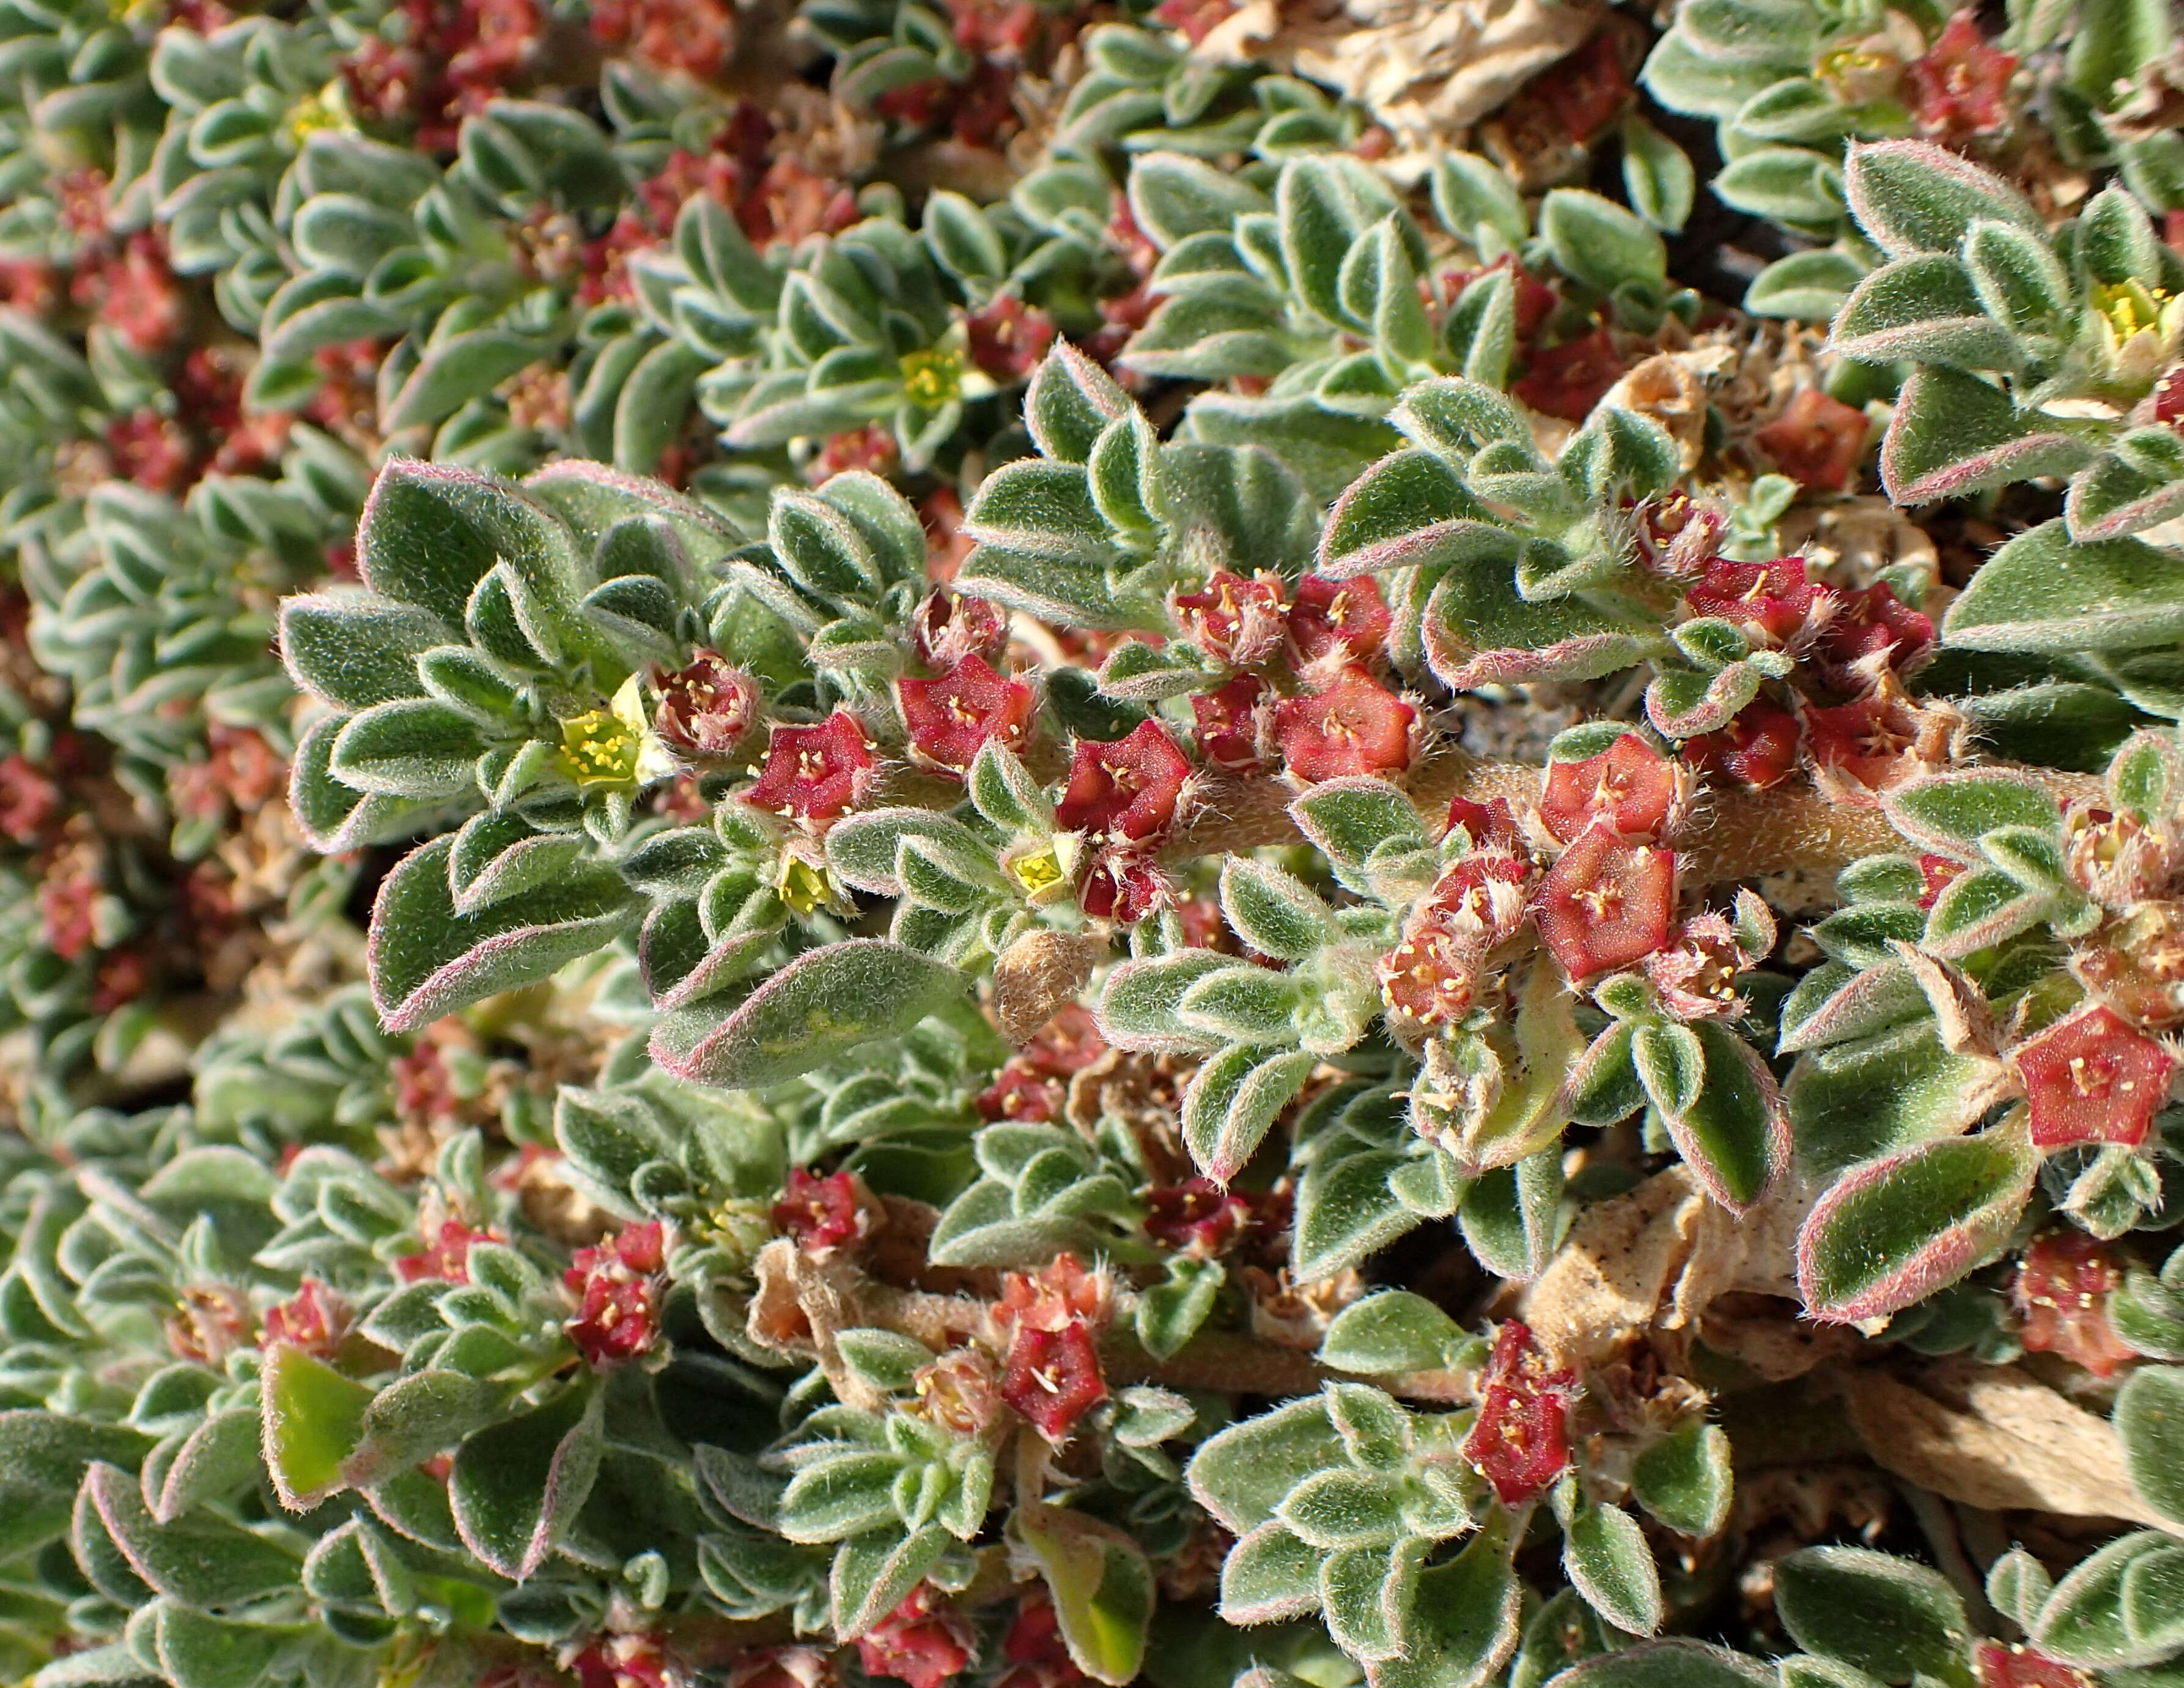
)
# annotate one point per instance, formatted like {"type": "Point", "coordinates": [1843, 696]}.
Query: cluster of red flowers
{"type": "Point", "coordinates": [445, 60]}
{"type": "Point", "coordinates": [1052, 1321]}
{"type": "Point", "coordinates": [617, 1285]}
{"type": "Point", "coordinates": [1520, 1442]}
{"type": "Point", "coordinates": [1032, 1086]}
{"type": "Point", "coordinates": [921, 1641]}
{"type": "Point", "coordinates": [445, 1255]}
{"type": "Point", "coordinates": [822, 1213]}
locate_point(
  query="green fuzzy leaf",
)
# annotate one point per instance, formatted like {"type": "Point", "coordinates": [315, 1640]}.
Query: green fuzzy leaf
{"type": "Point", "coordinates": [1883, 1093]}
{"type": "Point", "coordinates": [1684, 1479]}
{"type": "Point", "coordinates": [1669, 1665]}
{"type": "Point", "coordinates": [1810, 285]}
{"type": "Point", "coordinates": [203, 1562]}
{"type": "Point", "coordinates": [2017, 277]}
{"type": "Point", "coordinates": [1172, 1311]}
{"type": "Point", "coordinates": [1102, 1586]}
{"type": "Point", "coordinates": [1346, 1208]}
{"type": "Point", "coordinates": [2149, 1421]}
{"type": "Point", "coordinates": [412, 748]}
{"type": "Point", "coordinates": [313, 1418]}
{"type": "Point", "coordinates": [353, 650]}
{"type": "Point", "coordinates": [1599, 243]}
{"type": "Point", "coordinates": [1173, 197]}
{"type": "Point", "coordinates": [1913, 196]}
{"type": "Point", "coordinates": [1893, 1232]}
{"type": "Point", "coordinates": [1608, 1561]}
{"type": "Point", "coordinates": [1142, 1000]}
{"type": "Point", "coordinates": [415, 1418]}
{"type": "Point", "coordinates": [1388, 1333]}
{"type": "Point", "coordinates": [1243, 1474]}
{"type": "Point", "coordinates": [1784, 184]}
{"type": "Point", "coordinates": [516, 1486]}
{"type": "Point", "coordinates": [1273, 911]}
{"type": "Point", "coordinates": [1269, 1575]}
{"type": "Point", "coordinates": [2118, 1608]}
{"type": "Point", "coordinates": [430, 533]}
{"type": "Point", "coordinates": [43, 1456]}
{"type": "Point", "coordinates": [1953, 434]}
{"type": "Point", "coordinates": [1232, 1102]}
{"type": "Point", "coordinates": [873, 1574]}
{"type": "Point", "coordinates": [427, 960]}
{"type": "Point", "coordinates": [1511, 1214]}
{"type": "Point", "coordinates": [196, 1651]}
{"type": "Point", "coordinates": [1657, 175]}
{"type": "Point", "coordinates": [1923, 309]}
{"type": "Point", "coordinates": [1890, 1618]}
{"type": "Point", "coordinates": [1473, 195]}
{"type": "Point", "coordinates": [820, 1005]}
{"type": "Point", "coordinates": [2042, 594]}
{"type": "Point", "coordinates": [848, 1494]}
{"type": "Point", "coordinates": [1465, 1619]}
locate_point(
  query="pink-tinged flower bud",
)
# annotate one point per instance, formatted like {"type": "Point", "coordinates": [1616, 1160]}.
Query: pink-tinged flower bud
{"type": "Point", "coordinates": [626, 1661]}
{"type": "Point", "coordinates": [1491, 825]}
{"type": "Point", "coordinates": [618, 1298]}
{"type": "Point", "coordinates": [2117, 859]}
{"type": "Point", "coordinates": [1053, 1378]}
{"type": "Point", "coordinates": [1338, 621]}
{"type": "Point", "coordinates": [1127, 789]}
{"type": "Point", "coordinates": [1430, 978]}
{"type": "Point", "coordinates": [1677, 536]}
{"type": "Point", "coordinates": [2168, 396]}
{"type": "Point", "coordinates": [313, 1319]}
{"type": "Point", "coordinates": [706, 707]}
{"type": "Point", "coordinates": [2002, 1667]}
{"type": "Point", "coordinates": [1520, 1443]}
{"type": "Point", "coordinates": [2092, 1078]}
{"type": "Point", "coordinates": [1879, 742]}
{"type": "Point", "coordinates": [1695, 977]}
{"type": "Point", "coordinates": [1355, 726]}
{"type": "Point", "coordinates": [1606, 903]}
{"type": "Point", "coordinates": [1817, 441]}
{"type": "Point", "coordinates": [2135, 964]}
{"type": "Point", "coordinates": [816, 774]}
{"type": "Point", "coordinates": [1756, 750]}
{"type": "Point", "coordinates": [798, 1667]}
{"type": "Point", "coordinates": [1480, 899]}
{"type": "Point", "coordinates": [1021, 1093]}
{"type": "Point", "coordinates": [1772, 602]}
{"type": "Point", "coordinates": [959, 1392]}
{"type": "Point", "coordinates": [1568, 380]}
{"type": "Point", "coordinates": [822, 1213]}
{"type": "Point", "coordinates": [446, 1257]}
{"type": "Point", "coordinates": [948, 720]}
{"type": "Point", "coordinates": [921, 1641]}
{"type": "Point", "coordinates": [1630, 788]}
{"type": "Point", "coordinates": [1236, 725]}
{"type": "Point", "coordinates": [2061, 1293]}
{"type": "Point", "coordinates": [30, 802]}
{"type": "Point", "coordinates": [1961, 87]}
{"type": "Point", "coordinates": [949, 626]}
{"type": "Point", "coordinates": [1235, 622]}
{"type": "Point", "coordinates": [1007, 339]}
{"type": "Point", "coordinates": [1197, 1217]}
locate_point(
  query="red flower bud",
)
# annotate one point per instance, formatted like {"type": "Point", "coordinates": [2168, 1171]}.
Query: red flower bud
{"type": "Point", "coordinates": [1960, 88]}
{"type": "Point", "coordinates": [1676, 535]}
{"type": "Point", "coordinates": [1338, 621]}
{"type": "Point", "coordinates": [1053, 1378]}
{"type": "Point", "coordinates": [1491, 825]}
{"type": "Point", "coordinates": [1586, 88]}
{"type": "Point", "coordinates": [1606, 903]}
{"type": "Point", "coordinates": [1198, 1218]}
{"type": "Point", "coordinates": [1125, 788]}
{"type": "Point", "coordinates": [1520, 1443]}
{"type": "Point", "coordinates": [1935, 873]}
{"type": "Point", "coordinates": [1431, 978]}
{"type": "Point", "coordinates": [1007, 339]}
{"type": "Point", "coordinates": [2061, 1293]}
{"type": "Point", "coordinates": [815, 773]}
{"type": "Point", "coordinates": [313, 1319]}
{"type": "Point", "coordinates": [446, 1257]}
{"type": "Point", "coordinates": [30, 801]}
{"type": "Point", "coordinates": [1629, 788]}
{"type": "Point", "coordinates": [1872, 621]}
{"type": "Point", "coordinates": [1756, 750]}
{"type": "Point", "coordinates": [949, 627]}
{"type": "Point", "coordinates": [707, 707]}
{"type": "Point", "coordinates": [628, 1661]}
{"type": "Point", "coordinates": [2092, 1078]}
{"type": "Point", "coordinates": [1123, 885]}
{"type": "Point", "coordinates": [1021, 1093]}
{"type": "Point", "coordinates": [1356, 725]}
{"type": "Point", "coordinates": [2002, 1667]}
{"type": "Point", "coordinates": [1817, 441]}
{"type": "Point", "coordinates": [949, 718]}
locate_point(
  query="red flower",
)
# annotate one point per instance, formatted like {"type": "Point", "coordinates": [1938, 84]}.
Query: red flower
{"type": "Point", "coordinates": [1007, 339]}
{"type": "Point", "coordinates": [1062, 1292]}
{"type": "Point", "coordinates": [123, 975]}
{"type": "Point", "coordinates": [1520, 1443]}
{"type": "Point", "coordinates": [1817, 441]}
{"type": "Point", "coordinates": [1771, 601]}
{"type": "Point", "coordinates": [1356, 725]}
{"type": "Point", "coordinates": [958, 1392]}
{"type": "Point", "coordinates": [793, 202]}
{"type": "Point", "coordinates": [2061, 1293]}
{"type": "Point", "coordinates": [1606, 903]}
{"type": "Point", "coordinates": [618, 1301]}
{"type": "Point", "coordinates": [1237, 622]}
{"type": "Point", "coordinates": [1128, 788]}
{"type": "Point", "coordinates": [2092, 1078]}
{"type": "Point", "coordinates": [1566, 381]}
{"type": "Point", "coordinates": [1491, 825]}
{"type": "Point", "coordinates": [822, 1213]}
{"type": "Point", "coordinates": [1480, 897]}
{"type": "Point", "coordinates": [949, 627]}
{"type": "Point", "coordinates": [1629, 787]}
{"type": "Point", "coordinates": [446, 1257]}
{"type": "Point", "coordinates": [1342, 621]}
{"type": "Point", "coordinates": [1019, 1092]}
{"type": "Point", "coordinates": [1198, 1218]}
{"type": "Point", "coordinates": [872, 448]}
{"type": "Point", "coordinates": [1431, 977]}
{"type": "Point", "coordinates": [1935, 873]}
{"type": "Point", "coordinates": [68, 914]}
{"type": "Point", "coordinates": [31, 287]}
{"type": "Point", "coordinates": [1586, 88]}
{"type": "Point", "coordinates": [2002, 1667]}
{"type": "Point", "coordinates": [152, 450]}
{"type": "Point", "coordinates": [949, 718]}
{"type": "Point", "coordinates": [707, 707]}
{"type": "Point", "coordinates": [1873, 743]}
{"type": "Point", "coordinates": [1122, 885]}
{"type": "Point", "coordinates": [1756, 750]}
{"type": "Point", "coordinates": [630, 1661]}
{"type": "Point", "coordinates": [694, 36]}
{"type": "Point", "coordinates": [1053, 1378]}
{"type": "Point", "coordinates": [1873, 621]}
{"type": "Point", "coordinates": [1066, 1044]}
{"type": "Point", "coordinates": [921, 1641]}
{"type": "Point", "coordinates": [313, 1319]}
{"type": "Point", "coordinates": [133, 292]}
{"type": "Point", "coordinates": [816, 774]}
{"type": "Point", "coordinates": [1196, 18]}
{"type": "Point", "coordinates": [1695, 977]}
{"type": "Point", "coordinates": [30, 801]}
{"type": "Point", "coordinates": [1235, 723]}
{"type": "Point", "coordinates": [1961, 87]}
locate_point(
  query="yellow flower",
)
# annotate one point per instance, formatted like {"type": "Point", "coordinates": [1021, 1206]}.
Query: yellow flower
{"type": "Point", "coordinates": [932, 377]}
{"type": "Point", "coordinates": [1035, 873]}
{"type": "Point", "coordinates": [615, 746]}
{"type": "Point", "coordinates": [327, 108]}
{"type": "Point", "coordinates": [803, 884]}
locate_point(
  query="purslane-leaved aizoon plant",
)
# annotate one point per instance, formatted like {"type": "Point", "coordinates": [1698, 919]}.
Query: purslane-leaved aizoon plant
{"type": "Point", "coordinates": [1012, 843]}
